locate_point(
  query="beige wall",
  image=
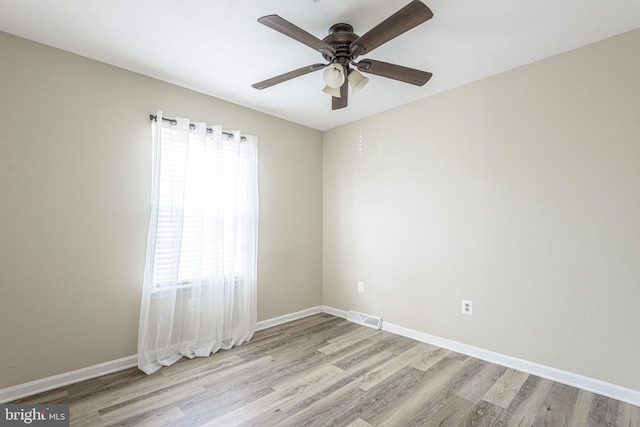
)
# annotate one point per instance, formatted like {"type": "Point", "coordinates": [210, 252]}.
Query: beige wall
{"type": "Point", "coordinates": [74, 204]}
{"type": "Point", "coordinates": [520, 192]}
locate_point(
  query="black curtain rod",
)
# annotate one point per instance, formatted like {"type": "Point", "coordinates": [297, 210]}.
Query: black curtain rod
{"type": "Point", "coordinates": [191, 126]}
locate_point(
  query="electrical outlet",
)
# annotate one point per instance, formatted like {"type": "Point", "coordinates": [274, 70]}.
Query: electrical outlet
{"type": "Point", "coordinates": [361, 287]}
{"type": "Point", "coordinates": [192, 304]}
{"type": "Point", "coordinates": [467, 307]}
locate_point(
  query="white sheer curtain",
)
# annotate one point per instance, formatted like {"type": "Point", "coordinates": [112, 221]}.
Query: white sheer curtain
{"type": "Point", "coordinates": [199, 290]}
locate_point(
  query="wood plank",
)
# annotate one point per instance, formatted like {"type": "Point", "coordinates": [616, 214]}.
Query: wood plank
{"type": "Point", "coordinates": [388, 342]}
{"type": "Point", "coordinates": [117, 380]}
{"type": "Point", "coordinates": [505, 388]}
{"type": "Point", "coordinates": [303, 389]}
{"type": "Point", "coordinates": [209, 406]}
{"type": "Point", "coordinates": [441, 405]}
{"type": "Point", "coordinates": [431, 358]}
{"type": "Point", "coordinates": [523, 408]}
{"type": "Point", "coordinates": [628, 415]}
{"type": "Point", "coordinates": [307, 378]}
{"type": "Point", "coordinates": [557, 408]}
{"type": "Point", "coordinates": [92, 420]}
{"type": "Point", "coordinates": [392, 366]}
{"type": "Point", "coordinates": [295, 389]}
{"type": "Point", "coordinates": [360, 423]}
{"type": "Point", "coordinates": [53, 396]}
{"type": "Point", "coordinates": [450, 412]}
{"type": "Point", "coordinates": [344, 341]}
{"type": "Point", "coordinates": [355, 334]}
{"type": "Point", "coordinates": [193, 367]}
{"type": "Point", "coordinates": [603, 411]}
{"type": "Point", "coordinates": [347, 377]}
{"type": "Point", "coordinates": [147, 406]}
{"type": "Point", "coordinates": [481, 383]}
{"type": "Point", "coordinates": [396, 388]}
{"type": "Point", "coordinates": [435, 383]}
{"type": "Point", "coordinates": [325, 411]}
{"type": "Point", "coordinates": [161, 417]}
{"type": "Point", "coordinates": [581, 409]}
{"type": "Point", "coordinates": [483, 414]}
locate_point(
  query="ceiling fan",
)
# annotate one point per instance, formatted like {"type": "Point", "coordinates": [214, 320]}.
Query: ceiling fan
{"type": "Point", "coordinates": [342, 47]}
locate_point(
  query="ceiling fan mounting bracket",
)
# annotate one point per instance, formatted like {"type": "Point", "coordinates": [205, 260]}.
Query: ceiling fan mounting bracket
{"type": "Point", "coordinates": [340, 27]}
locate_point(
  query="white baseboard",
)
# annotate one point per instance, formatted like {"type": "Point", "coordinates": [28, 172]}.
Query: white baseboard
{"type": "Point", "coordinates": [565, 377]}
{"type": "Point", "coordinates": [264, 324]}
{"type": "Point", "coordinates": [334, 311]}
{"type": "Point", "coordinates": [45, 384]}
{"type": "Point", "coordinates": [569, 378]}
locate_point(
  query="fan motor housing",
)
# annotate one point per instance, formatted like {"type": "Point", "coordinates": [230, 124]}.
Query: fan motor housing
{"type": "Point", "coordinates": [340, 37]}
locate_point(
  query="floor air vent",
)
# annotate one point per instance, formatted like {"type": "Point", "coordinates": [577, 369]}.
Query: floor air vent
{"type": "Point", "coordinates": [364, 319]}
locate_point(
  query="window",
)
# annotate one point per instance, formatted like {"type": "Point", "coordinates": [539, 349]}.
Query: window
{"type": "Point", "coordinates": [203, 208]}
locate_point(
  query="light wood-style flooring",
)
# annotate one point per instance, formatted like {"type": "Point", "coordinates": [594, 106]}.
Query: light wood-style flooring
{"type": "Point", "coordinates": [325, 371]}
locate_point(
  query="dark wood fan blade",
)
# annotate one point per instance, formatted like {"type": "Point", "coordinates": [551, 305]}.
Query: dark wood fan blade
{"type": "Point", "coordinates": [412, 15]}
{"type": "Point", "coordinates": [338, 103]}
{"type": "Point", "coordinates": [288, 29]}
{"type": "Point", "coordinates": [288, 76]}
{"type": "Point", "coordinates": [393, 71]}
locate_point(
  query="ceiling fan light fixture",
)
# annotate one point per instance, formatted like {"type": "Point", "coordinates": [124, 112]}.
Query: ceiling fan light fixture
{"type": "Point", "coordinates": [333, 75]}
{"type": "Point", "coordinates": [357, 80]}
{"type": "Point", "coordinates": [341, 47]}
{"type": "Point", "coordinates": [333, 91]}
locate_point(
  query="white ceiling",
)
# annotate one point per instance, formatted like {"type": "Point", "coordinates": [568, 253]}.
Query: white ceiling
{"type": "Point", "coordinates": [216, 46]}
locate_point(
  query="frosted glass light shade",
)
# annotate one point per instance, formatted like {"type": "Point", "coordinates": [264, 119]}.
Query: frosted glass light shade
{"type": "Point", "coordinates": [333, 91]}
{"type": "Point", "coordinates": [333, 75]}
{"type": "Point", "coordinates": [357, 81]}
